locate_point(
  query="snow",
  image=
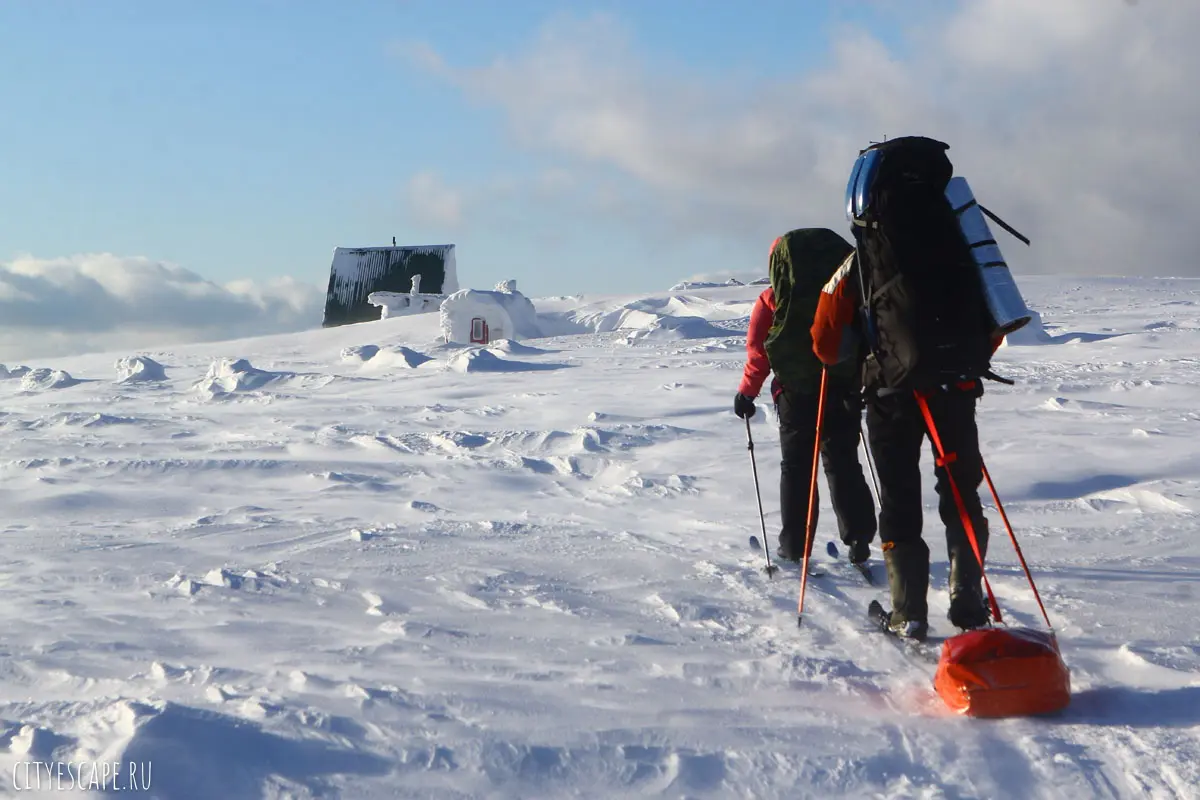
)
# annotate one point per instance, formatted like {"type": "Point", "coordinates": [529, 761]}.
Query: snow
{"type": "Point", "coordinates": [135, 369]}
{"type": "Point", "coordinates": [42, 378]}
{"type": "Point", "coordinates": [399, 304]}
{"type": "Point", "coordinates": [363, 562]}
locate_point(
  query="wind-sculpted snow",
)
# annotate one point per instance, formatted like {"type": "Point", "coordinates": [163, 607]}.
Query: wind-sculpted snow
{"type": "Point", "coordinates": [14, 373]}
{"type": "Point", "coordinates": [138, 369]}
{"type": "Point", "coordinates": [400, 356]}
{"type": "Point", "coordinates": [227, 376]}
{"type": "Point", "coordinates": [669, 318]}
{"type": "Point", "coordinates": [382, 566]}
{"type": "Point", "coordinates": [42, 379]}
{"type": "Point", "coordinates": [485, 360]}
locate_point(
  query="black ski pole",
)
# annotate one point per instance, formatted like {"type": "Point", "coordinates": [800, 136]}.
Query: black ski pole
{"type": "Point", "coordinates": [770, 569]}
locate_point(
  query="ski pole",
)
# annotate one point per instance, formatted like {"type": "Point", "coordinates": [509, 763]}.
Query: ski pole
{"type": "Point", "coordinates": [870, 461]}
{"type": "Point", "coordinates": [1017, 547]}
{"type": "Point", "coordinates": [770, 569]}
{"type": "Point", "coordinates": [812, 497]}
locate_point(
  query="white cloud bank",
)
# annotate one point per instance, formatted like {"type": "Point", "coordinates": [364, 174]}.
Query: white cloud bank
{"type": "Point", "coordinates": [1073, 119]}
{"type": "Point", "coordinates": [100, 302]}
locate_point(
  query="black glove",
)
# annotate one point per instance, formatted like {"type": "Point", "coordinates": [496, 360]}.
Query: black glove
{"type": "Point", "coordinates": [743, 406]}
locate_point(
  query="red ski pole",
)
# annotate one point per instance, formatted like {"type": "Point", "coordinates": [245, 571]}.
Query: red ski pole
{"type": "Point", "coordinates": [1016, 547]}
{"type": "Point", "coordinates": [812, 498]}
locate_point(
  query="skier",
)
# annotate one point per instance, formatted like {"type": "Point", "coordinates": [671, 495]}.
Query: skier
{"type": "Point", "coordinates": [778, 340]}
{"type": "Point", "coordinates": [896, 419]}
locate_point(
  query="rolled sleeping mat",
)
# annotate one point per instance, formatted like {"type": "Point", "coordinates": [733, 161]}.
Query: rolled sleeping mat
{"type": "Point", "coordinates": [1004, 299]}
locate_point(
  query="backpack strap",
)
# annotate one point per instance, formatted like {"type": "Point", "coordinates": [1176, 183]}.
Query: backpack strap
{"type": "Point", "coordinates": [991, 376]}
{"type": "Point", "coordinates": [864, 304]}
{"type": "Point", "coordinates": [1004, 224]}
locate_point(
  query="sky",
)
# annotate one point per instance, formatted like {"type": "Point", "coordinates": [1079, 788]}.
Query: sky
{"type": "Point", "coordinates": [210, 155]}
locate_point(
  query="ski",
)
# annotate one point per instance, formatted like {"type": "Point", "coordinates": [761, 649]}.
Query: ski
{"type": "Point", "coordinates": [927, 650]}
{"type": "Point", "coordinates": [814, 571]}
{"type": "Point", "coordinates": [863, 569]}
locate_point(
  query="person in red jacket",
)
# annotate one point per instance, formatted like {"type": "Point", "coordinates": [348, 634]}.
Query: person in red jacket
{"type": "Point", "coordinates": [895, 431]}
{"type": "Point", "coordinates": [796, 409]}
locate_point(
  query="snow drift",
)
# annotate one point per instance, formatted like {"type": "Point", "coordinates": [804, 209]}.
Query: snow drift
{"type": "Point", "coordinates": [139, 369]}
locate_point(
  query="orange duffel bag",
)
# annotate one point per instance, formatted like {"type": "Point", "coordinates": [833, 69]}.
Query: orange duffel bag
{"type": "Point", "coordinates": [1003, 672]}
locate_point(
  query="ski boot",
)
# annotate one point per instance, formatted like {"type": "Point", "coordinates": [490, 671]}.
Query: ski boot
{"type": "Point", "coordinates": [860, 551]}
{"type": "Point", "coordinates": [908, 579]}
{"type": "Point", "coordinates": [968, 604]}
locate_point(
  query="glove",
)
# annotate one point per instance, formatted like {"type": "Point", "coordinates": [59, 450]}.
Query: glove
{"type": "Point", "coordinates": [743, 406]}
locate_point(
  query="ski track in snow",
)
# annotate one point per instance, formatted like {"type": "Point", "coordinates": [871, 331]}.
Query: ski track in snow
{"type": "Point", "coordinates": [360, 563]}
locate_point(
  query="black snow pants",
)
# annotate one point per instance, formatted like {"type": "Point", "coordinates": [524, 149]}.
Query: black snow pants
{"type": "Point", "coordinates": [850, 496]}
{"type": "Point", "coordinates": [896, 429]}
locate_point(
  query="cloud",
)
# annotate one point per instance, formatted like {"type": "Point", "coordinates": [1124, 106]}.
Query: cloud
{"type": "Point", "coordinates": [1074, 120]}
{"type": "Point", "coordinates": [86, 303]}
{"type": "Point", "coordinates": [432, 202]}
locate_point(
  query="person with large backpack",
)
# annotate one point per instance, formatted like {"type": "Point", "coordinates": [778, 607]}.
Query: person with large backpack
{"type": "Point", "coordinates": [912, 291]}
{"type": "Point", "coordinates": [779, 341]}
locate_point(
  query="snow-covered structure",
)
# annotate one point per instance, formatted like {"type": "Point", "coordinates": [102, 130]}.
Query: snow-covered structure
{"type": "Point", "coordinates": [395, 304]}
{"type": "Point", "coordinates": [472, 316]}
{"type": "Point", "coordinates": [357, 272]}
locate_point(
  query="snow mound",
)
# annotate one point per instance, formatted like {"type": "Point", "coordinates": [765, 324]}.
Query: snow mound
{"type": "Point", "coordinates": [15, 372]}
{"type": "Point", "coordinates": [398, 356]}
{"type": "Point", "coordinates": [1035, 333]}
{"type": "Point", "coordinates": [682, 285]}
{"type": "Point", "coordinates": [42, 378]}
{"type": "Point", "coordinates": [516, 348]}
{"type": "Point", "coordinates": [227, 376]}
{"type": "Point", "coordinates": [1134, 500]}
{"type": "Point", "coordinates": [359, 352]}
{"type": "Point", "coordinates": [667, 328]}
{"type": "Point", "coordinates": [1032, 333]}
{"type": "Point", "coordinates": [487, 361]}
{"type": "Point", "coordinates": [668, 318]}
{"type": "Point", "coordinates": [137, 369]}
{"type": "Point", "coordinates": [216, 754]}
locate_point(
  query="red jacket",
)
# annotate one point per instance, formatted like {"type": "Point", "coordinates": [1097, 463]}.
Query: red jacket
{"type": "Point", "coordinates": [758, 367]}
{"type": "Point", "coordinates": [835, 313]}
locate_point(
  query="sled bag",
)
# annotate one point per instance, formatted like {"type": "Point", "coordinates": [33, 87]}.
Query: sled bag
{"type": "Point", "coordinates": [1003, 672]}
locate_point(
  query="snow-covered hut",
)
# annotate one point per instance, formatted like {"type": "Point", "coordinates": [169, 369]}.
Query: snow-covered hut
{"type": "Point", "coordinates": [473, 316]}
{"type": "Point", "coordinates": [357, 272]}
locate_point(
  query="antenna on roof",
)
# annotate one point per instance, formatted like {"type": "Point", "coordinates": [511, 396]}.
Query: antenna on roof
{"type": "Point", "coordinates": [393, 241]}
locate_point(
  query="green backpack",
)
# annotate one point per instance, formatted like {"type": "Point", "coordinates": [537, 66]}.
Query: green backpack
{"type": "Point", "coordinates": [802, 262]}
